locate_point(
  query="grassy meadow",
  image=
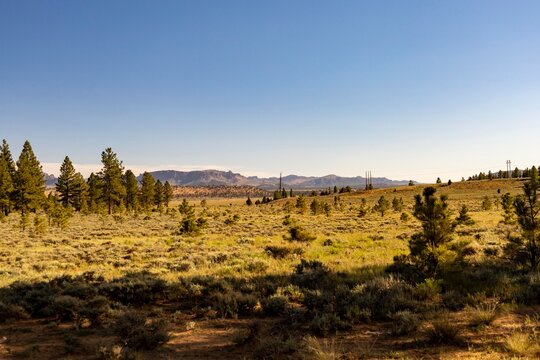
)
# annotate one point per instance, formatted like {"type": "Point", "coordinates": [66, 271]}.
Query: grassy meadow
{"type": "Point", "coordinates": [132, 286]}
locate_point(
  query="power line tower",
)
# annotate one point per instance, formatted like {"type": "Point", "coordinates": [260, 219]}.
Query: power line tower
{"type": "Point", "coordinates": [508, 168]}
{"type": "Point", "coordinates": [369, 185]}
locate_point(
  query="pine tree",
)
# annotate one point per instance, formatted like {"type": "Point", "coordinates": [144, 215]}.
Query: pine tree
{"type": "Point", "coordinates": [315, 207]}
{"type": "Point", "coordinates": [507, 203]}
{"type": "Point", "coordinates": [158, 194]}
{"type": "Point", "coordinates": [147, 190]}
{"type": "Point", "coordinates": [167, 193]}
{"type": "Point", "coordinates": [132, 190]}
{"type": "Point", "coordinates": [94, 192]}
{"type": "Point", "coordinates": [382, 206]}
{"type": "Point", "coordinates": [80, 193]}
{"type": "Point", "coordinates": [7, 180]}
{"type": "Point", "coordinates": [486, 203]}
{"type": "Point", "coordinates": [301, 204]}
{"type": "Point", "coordinates": [65, 187]}
{"type": "Point", "coordinates": [437, 230]}
{"type": "Point", "coordinates": [112, 189]}
{"type": "Point", "coordinates": [6, 187]}
{"type": "Point", "coordinates": [6, 154]}
{"type": "Point", "coordinates": [29, 181]}
{"type": "Point", "coordinates": [464, 218]}
{"type": "Point", "coordinates": [526, 249]}
{"type": "Point", "coordinates": [397, 204]}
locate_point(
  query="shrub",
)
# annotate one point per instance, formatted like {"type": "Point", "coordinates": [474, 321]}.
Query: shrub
{"type": "Point", "coordinates": [11, 311]}
{"type": "Point", "coordinates": [486, 203]}
{"type": "Point", "coordinates": [281, 252]}
{"type": "Point", "coordinates": [386, 295]}
{"type": "Point", "coordinates": [65, 307]}
{"type": "Point", "coordinates": [137, 332]}
{"type": "Point", "coordinates": [190, 225]}
{"type": "Point", "coordinates": [327, 323]}
{"type": "Point", "coordinates": [444, 331]}
{"type": "Point", "coordinates": [404, 217]}
{"type": "Point", "coordinates": [311, 274]}
{"type": "Point", "coordinates": [94, 309]}
{"type": "Point", "coordinates": [291, 292]}
{"type": "Point", "coordinates": [257, 266]}
{"type": "Point", "coordinates": [404, 323]}
{"type": "Point", "coordinates": [275, 305]}
{"type": "Point", "coordinates": [233, 304]}
{"type": "Point", "coordinates": [297, 233]}
{"type": "Point", "coordinates": [134, 289]}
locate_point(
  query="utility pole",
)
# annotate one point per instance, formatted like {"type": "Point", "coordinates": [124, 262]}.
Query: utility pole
{"type": "Point", "coordinates": [280, 184]}
{"type": "Point", "coordinates": [369, 185]}
{"type": "Point", "coordinates": [508, 168]}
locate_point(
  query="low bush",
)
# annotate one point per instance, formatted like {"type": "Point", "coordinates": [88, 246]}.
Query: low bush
{"type": "Point", "coordinates": [275, 305]}
{"type": "Point", "coordinates": [311, 274]}
{"type": "Point", "coordinates": [11, 311]}
{"type": "Point", "coordinates": [327, 323]}
{"type": "Point", "coordinates": [444, 331]}
{"type": "Point", "coordinates": [297, 233]}
{"type": "Point", "coordinates": [404, 323]}
{"type": "Point", "coordinates": [386, 295]}
{"type": "Point", "coordinates": [137, 332]}
{"type": "Point", "coordinates": [134, 289]}
{"type": "Point", "coordinates": [234, 304]}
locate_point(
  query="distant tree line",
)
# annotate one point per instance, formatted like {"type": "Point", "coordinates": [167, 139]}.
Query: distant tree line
{"type": "Point", "coordinates": [113, 189]}
{"type": "Point", "coordinates": [515, 174]}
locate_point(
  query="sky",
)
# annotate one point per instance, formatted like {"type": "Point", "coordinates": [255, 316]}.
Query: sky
{"type": "Point", "coordinates": [405, 89]}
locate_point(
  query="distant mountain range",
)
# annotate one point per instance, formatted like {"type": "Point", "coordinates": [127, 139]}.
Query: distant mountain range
{"type": "Point", "coordinates": [228, 178]}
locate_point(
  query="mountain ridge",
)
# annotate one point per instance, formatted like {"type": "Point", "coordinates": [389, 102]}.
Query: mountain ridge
{"type": "Point", "coordinates": [212, 177]}
{"type": "Point", "coordinates": [218, 177]}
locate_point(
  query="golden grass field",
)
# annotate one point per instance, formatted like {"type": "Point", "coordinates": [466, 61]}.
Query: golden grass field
{"type": "Point", "coordinates": [113, 246]}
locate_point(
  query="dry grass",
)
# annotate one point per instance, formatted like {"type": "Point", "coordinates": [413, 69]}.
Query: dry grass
{"type": "Point", "coordinates": [360, 247]}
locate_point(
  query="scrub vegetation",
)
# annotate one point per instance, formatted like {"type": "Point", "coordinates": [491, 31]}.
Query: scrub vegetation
{"type": "Point", "coordinates": [115, 268]}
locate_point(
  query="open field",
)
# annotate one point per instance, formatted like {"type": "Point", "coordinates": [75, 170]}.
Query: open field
{"type": "Point", "coordinates": [236, 290]}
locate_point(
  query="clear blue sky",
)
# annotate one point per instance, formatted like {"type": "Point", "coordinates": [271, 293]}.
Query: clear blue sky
{"type": "Point", "coordinates": [407, 89]}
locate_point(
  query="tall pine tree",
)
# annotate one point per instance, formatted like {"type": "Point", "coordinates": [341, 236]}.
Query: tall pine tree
{"type": "Point", "coordinates": [112, 188]}
{"type": "Point", "coordinates": [80, 193]}
{"type": "Point", "coordinates": [65, 187]}
{"type": "Point", "coordinates": [147, 190]}
{"type": "Point", "coordinates": [29, 181]}
{"type": "Point", "coordinates": [6, 187]}
{"type": "Point", "coordinates": [132, 190]}
{"type": "Point", "coordinates": [7, 179]}
{"type": "Point", "coordinates": [94, 192]}
{"type": "Point", "coordinates": [167, 193]}
{"type": "Point", "coordinates": [158, 194]}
